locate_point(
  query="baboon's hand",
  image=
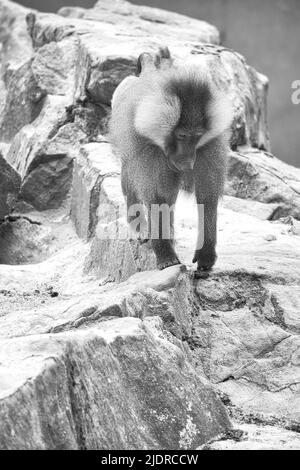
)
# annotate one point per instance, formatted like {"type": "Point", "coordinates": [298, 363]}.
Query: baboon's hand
{"type": "Point", "coordinates": [205, 259]}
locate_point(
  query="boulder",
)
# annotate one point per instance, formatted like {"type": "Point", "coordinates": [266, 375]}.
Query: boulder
{"type": "Point", "coordinates": [257, 437]}
{"type": "Point", "coordinates": [23, 241]}
{"type": "Point", "coordinates": [98, 349]}
{"type": "Point", "coordinates": [118, 386]}
{"type": "Point", "coordinates": [261, 210]}
{"type": "Point", "coordinates": [23, 102]}
{"type": "Point", "coordinates": [102, 214]}
{"type": "Point", "coordinates": [239, 327]}
{"type": "Point", "coordinates": [95, 163]}
{"type": "Point", "coordinates": [77, 63]}
{"type": "Point", "coordinates": [259, 176]}
{"type": "Point", "coordinates": [99, 73]}
{"type": "Point", "coordinates": [9, 187]}
{"type": "Point", "coordinates": [14, 38]}
{"type": "Point", "coordinates": [32, 238]}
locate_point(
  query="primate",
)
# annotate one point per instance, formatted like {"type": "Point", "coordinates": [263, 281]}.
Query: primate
{"type": "Point", "coordinates": [170, 126]}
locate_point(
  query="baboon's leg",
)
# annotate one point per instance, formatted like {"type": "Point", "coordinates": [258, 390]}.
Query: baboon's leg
{"type": "Point", "coordinates": [161, 225]}
{"type": "Point", "coordinates": [205, 254]}
{"type": "Point", "coordinates": [136, 218]}
{"type": "Point", "coordinates": [209, 171]}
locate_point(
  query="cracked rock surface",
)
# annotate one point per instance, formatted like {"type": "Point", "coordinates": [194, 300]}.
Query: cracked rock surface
{"type": "Point", "coordinates": [98, 349]}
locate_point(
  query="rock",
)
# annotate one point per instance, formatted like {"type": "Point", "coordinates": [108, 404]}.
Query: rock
{"type": "Point", "coordinates": [145, 20]}
{"type": "Point", "coordinates": [95, 162]}
{"type": "Point", "coordinates": [257, 437]}
{"type": "Point", "coordinates": [45, 167]}
{"type": "Point", "coordinates": [254, 289]}
{"type": "Point", "coordinates": [246, 348]}
{"type": "Point", "coordinates": [23, 241]}
{"type": "Point", "coordinates": [249, 295]}
{"type": "Point", "coordinates": [240, 328]}
{"type": "Point", "coordinates": [112, 252]}
{"type": "Point", "coordinates": [98, 210]}
{"type": "Point", "coordinates": [69, 81]}
{"type": "Point", "coordinates": [30, 238]}
{"type": "Point", "coordinates": [241, 323]}
{"type": "Point", "coordinates": [84, 379]}
{"type": "Point", "coordinates": [293, 225]}
{"type": "Point", "coordinates": [54, 176]}
{"type": "Point", "coordinates": [259, 176]}
{"type": "Point", "coordinates": [14, 37]}
{"type": "Point", "coordinates": [24, 101]}
{"type": "Point", "coordinates": [270, 237]}
{"type": "Point", "coordinates": [133, 354]}
{"type": "Point", "coordinates": [9, 187]}
{"type": "Point", "coordinates": [285, 302]}
{"type": "Point", "coordinates": [261, 210]}
{"type": "Point", "coordinates": [47, 67]}
{"type": "Point", "coordinates": [100, 75]}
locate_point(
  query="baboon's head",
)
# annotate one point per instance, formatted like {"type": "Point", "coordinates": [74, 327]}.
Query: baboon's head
{"type": "Point", "coordinates": [182, 112]}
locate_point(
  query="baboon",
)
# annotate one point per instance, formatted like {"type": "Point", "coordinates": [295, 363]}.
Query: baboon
{"type": "Point", "coordinates": [170, 125]}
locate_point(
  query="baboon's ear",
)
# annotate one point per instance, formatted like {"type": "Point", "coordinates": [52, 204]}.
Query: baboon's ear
{"type": "Point", "coordinates": [145, 60]}
{"type": "Point", "coordinates": [165, 52]}
{"type": "Point", "coordinates": [163, 58]}
{"type": "Point", "coordinates": [149, 62]}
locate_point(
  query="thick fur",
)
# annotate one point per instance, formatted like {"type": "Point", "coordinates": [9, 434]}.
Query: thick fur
{"type": "Point", "coordinates": [149, 115]}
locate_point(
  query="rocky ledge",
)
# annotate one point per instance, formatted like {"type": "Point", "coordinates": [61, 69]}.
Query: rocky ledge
{"type": "Point", "coordinates": [98, 349]}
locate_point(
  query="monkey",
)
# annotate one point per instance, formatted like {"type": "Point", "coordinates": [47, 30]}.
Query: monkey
{"type": "Point", "coordinates": [171, 125]}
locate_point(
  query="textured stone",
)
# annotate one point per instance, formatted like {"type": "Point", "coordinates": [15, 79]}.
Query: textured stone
{"type": "Point", "coordinates": [138, 391]}
{"type": "Point", "coordinates": [261, 210]}
{"type": "Point", "coordinates": [77, 63]}
{"type": "Point", "coordinates": [53, 175]}
{"type": "Point", "coordinates": [255, 437]}
{"type": "Point", "coordinates": [95, 162]}
{"type": "Point", "coordinates": [14, 37]}
{"type": "Point", "coordinates": [9, 187]}
{"type": "Point", "coordinates": [98, 349]}
{"type": "Point", "coordinates": [24, 101]}
{"type": "Point", "coordinates": [259, 176]}
{"type": "Point", "coordinates": [22, 242]}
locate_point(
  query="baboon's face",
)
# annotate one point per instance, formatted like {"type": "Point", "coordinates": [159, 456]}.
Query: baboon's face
{"type": "Point", "coordinates": [192, 125]}
{"type": "Point", "coordinates": [181, 148]}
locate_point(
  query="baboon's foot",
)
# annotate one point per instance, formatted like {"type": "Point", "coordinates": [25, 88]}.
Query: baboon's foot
{"type": "Point", "coordinates": [141, 237]}
{"type": "Point", "coordinates": [202, 274]}
{"type": "Point", "coordinates": [139, 240]}
{"type": "Point", "coordinates": [167, 263]}
{"type": "Point", "coordinates": [142, 240]}
{"type": "Point", "coordinates": [205, 259]}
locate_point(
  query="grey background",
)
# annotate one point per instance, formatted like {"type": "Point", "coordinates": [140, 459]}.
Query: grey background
{"type": "Point", "coordinates": [266, 32]}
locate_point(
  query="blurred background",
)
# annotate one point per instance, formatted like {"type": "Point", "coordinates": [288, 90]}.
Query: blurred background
{"type": "Point", "coordinates": [266, 32]}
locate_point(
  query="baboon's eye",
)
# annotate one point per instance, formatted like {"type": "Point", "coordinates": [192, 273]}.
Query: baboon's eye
{"type": "Point", "coordinates": [181, 136]}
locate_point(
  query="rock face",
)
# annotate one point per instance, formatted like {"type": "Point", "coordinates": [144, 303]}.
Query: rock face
{"type": "Point", "coordinates": [115, 403]}
{"type": "Point", "coordinates": [259, 176]}
{"type": "Point", "coordinates": [16, 44]}
{"type": "Point", "coordinates": [9, 187]}
{"type": "Point", "coordinates": [99, 350]}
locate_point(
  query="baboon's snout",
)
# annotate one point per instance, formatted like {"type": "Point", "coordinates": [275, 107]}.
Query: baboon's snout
{"type": "Point", "coordinates": [185, 159]}
{"type": "Point", "coordinates": [185, 165]}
